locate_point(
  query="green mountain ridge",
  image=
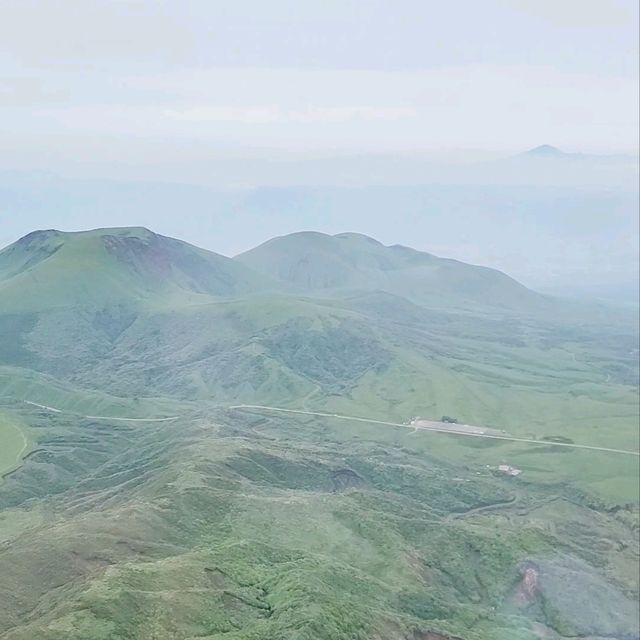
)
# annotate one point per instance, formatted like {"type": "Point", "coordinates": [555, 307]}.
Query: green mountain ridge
{"type": "Point", "coordinates": [48, 269]}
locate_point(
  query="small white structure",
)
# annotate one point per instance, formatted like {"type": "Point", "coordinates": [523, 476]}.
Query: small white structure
{"type": "Point", "coordinates": [509, 470]}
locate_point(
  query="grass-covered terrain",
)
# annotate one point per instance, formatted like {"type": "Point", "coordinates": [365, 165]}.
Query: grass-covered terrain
{"type": "Point", "coordinates": [226, 523]}
{"type": "Point", "coordinates": [15, 442]}
{"type": "Point", "coordinates": [236, 525]}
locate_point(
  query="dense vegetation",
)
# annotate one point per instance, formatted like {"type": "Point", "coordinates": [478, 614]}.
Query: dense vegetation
{"type": "Point", "coordinates": [239, 523]}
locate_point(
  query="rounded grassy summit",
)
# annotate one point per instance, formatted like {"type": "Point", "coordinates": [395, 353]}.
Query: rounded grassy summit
{"type": "Point", "coordinates": [48, 269]}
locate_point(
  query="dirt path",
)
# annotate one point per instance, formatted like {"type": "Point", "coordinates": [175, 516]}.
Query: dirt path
{"type": "Point", "coordinates": [545, 443]}
{"type": "Point", "coordinates": [42, 406]}
{"type": "Point", "coordinates": [495, 506]}
{"type": "Point", "coordinates": [71, 413]}
{"type": "Point", "coordinates": [133, 419]}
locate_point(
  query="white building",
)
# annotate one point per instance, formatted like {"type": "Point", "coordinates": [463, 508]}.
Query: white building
{"type": "Point", "coordinates": [509, 470]}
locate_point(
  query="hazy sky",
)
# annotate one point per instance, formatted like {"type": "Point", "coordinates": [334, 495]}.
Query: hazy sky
{"type": "Point", "coordinates": [136, 88]}
{"type": "Point", "coordinates": [358, 93]}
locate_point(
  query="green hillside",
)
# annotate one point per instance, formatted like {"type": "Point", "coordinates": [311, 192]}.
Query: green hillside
{"type": "Point", "coordinates": [150, 504]}
{"type": "Point", "coordinates": [312, 262]}
{"type": "Point", "coordinates": [105, 267]}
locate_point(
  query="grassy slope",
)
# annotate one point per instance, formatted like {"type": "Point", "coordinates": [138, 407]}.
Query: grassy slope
{"type": "Point", "coordinates": [15, 442]}
{"type": "Point", "coordinates": [312, 262]}
{"type": "Point", "coordinates": [18, 386]}
{"type": "Point", "coordinates": [305, 354]}
{"type": "Point", "coordinates": [525, 378]}
{"type": "Point", "coordinates": [289, 528]}
{"type": "Point", "coordinates": [108, 267]}
{"type": "Point", "coordinates": [231, 525]}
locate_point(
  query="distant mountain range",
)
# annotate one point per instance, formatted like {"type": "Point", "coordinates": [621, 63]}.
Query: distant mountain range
{"type": "Point", "coordinates": [549, 152]}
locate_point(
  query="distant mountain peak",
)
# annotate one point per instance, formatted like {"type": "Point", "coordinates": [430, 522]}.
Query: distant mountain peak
{"type": "Point", "coordinates": [546, 150]}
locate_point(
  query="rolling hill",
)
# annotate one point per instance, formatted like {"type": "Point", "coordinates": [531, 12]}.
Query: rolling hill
{"type": "Point", "coordinates": [50, 269]}
{"type": "Point", "coordinates": [311, 262]}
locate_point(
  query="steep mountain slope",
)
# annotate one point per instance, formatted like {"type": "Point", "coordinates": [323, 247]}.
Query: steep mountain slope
{"type": "Point", "coordinates": [51, 269]}
{"type": "Point", "coordinates": [311, 262]}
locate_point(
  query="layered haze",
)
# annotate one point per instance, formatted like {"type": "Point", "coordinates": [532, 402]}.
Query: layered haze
{"type": "Point", "coordinates": [224, 126]}
{"type": "Point", "coordinates": [559, 221]}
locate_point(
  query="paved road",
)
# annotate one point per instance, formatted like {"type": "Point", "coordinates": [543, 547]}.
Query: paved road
{"type": "Point", "coordinates": [546, 443]}
{"type": "Point", "coordinates": [42, 406]}
{"type": "Point", "coordinates": [133, 419]}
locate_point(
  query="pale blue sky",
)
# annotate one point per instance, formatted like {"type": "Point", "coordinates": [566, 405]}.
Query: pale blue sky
{"type": "Point", "coordinates": [89, 87]}
{"type": "Point", "coordinates": [357, 93]}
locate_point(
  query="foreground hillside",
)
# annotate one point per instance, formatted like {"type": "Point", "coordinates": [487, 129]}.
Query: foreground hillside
{"type": "Point", "coordinates": [143, 498]}
{"type": "Point", "coordinates": [230, 524]}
